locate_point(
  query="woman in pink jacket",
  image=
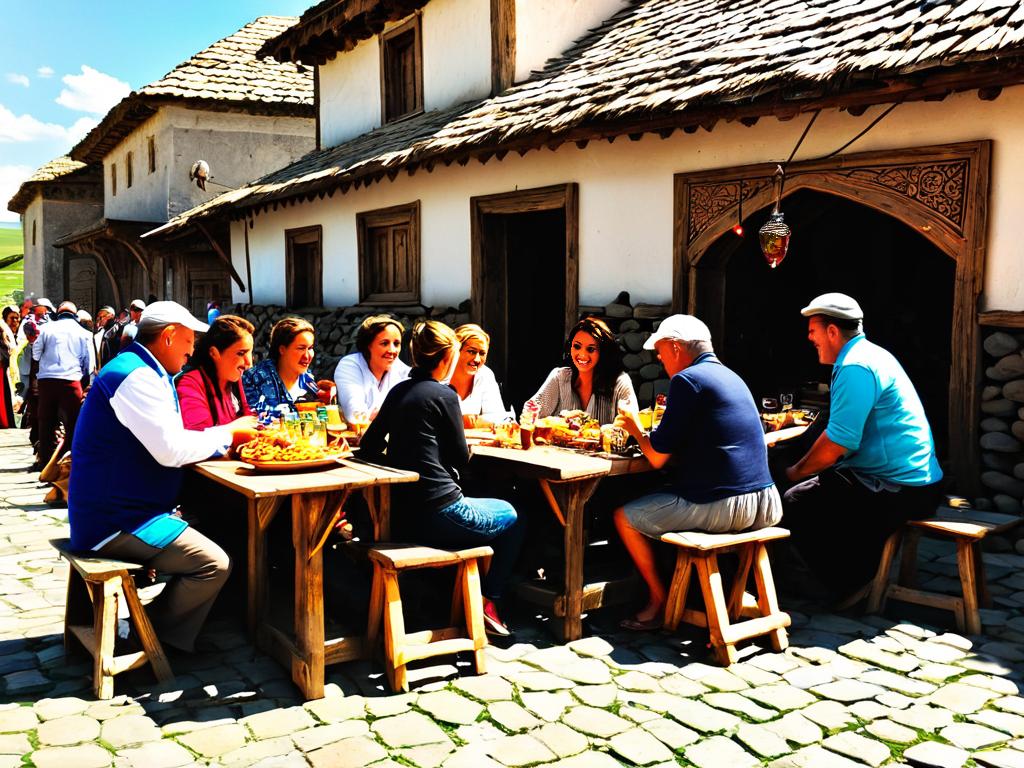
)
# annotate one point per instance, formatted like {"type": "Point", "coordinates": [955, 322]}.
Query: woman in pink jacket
{"type": "Point", "coordinates": [210, 392]}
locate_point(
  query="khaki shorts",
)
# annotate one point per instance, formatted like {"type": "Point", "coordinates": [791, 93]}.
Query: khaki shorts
{"type": "Point", "coordinates": [660, 513]}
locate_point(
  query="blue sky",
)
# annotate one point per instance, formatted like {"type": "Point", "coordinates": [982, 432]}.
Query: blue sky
{"type": "Point", "coordinates": [64, 63]}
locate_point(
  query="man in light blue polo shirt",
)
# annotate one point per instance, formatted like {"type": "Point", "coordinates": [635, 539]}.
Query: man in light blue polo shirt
{"type": "Point", "coordinates": [874, 466]}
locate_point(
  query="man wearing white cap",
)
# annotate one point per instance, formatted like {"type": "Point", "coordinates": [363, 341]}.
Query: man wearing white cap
{"type": "Point", "coordinates": [873, 468]}
{"type": "Point", "coordinates": [127, 456]}
{"type": "Point", "coordinates": [720, 478]}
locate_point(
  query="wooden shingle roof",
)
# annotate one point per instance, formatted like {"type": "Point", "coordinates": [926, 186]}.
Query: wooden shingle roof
{"type": "Point", "coordinates": [659, 65]}
{"type": "Point", "coordinates": [59, 169]}
{"type": "Point", "coordinates": [226, 76]}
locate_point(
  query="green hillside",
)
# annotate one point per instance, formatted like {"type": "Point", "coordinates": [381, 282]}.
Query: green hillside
{"type": "Point", "coordinates": [13, 277]}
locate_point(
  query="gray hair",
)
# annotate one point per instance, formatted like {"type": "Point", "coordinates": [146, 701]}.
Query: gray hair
{"type": "Point", "coordinates": [695, 349]}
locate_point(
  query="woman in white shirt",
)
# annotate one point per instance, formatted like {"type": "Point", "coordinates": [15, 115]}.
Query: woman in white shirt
{"type": "Point", "coordinates": [365, 377]}
{"type": "Point", "coordinates": [593, 378]}
{"type": "Point", "coordinates": [473, 381]}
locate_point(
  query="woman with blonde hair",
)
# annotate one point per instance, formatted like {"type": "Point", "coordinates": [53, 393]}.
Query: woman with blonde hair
{"type": "Point", "coordinates": [473, 381]}
{"type": "Point", "coordinates": [365, 377]}
{"type": "Point", "coordinates": [419, 428]}
{"type": "Point", "coordinates": [284, 378]}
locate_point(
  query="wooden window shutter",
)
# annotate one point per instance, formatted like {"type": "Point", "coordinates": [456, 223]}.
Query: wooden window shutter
{"type": "Point", "coordinates": [389, 255]}
{"type": "Point", "coordinates": [401, 67]}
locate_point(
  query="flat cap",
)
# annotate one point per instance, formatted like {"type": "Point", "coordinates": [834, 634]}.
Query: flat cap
{"type": "Point", "coordinates": [837, 305]}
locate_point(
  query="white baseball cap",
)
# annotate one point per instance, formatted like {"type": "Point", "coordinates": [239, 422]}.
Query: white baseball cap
{"type": "Point", "coordinates": [679, 328]}
{"type": "Point", "coordinates": [837, 305]}
{"type": "Point", "coordinates": [162, 313]}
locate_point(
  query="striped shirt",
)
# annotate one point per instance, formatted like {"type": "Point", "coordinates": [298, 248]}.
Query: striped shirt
{"type": "Point", "coordinates": [556, 394]}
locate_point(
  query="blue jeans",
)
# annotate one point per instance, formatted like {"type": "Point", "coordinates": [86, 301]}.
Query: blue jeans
{"type": "Point", "coordinates": [471, 522]}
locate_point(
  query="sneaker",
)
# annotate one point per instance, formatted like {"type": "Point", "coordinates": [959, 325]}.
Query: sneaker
{"type": "Point", "coordinates": [493, 625]}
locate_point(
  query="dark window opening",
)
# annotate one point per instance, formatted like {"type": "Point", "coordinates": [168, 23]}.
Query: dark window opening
{"type": "Point", "coordinates": [304, 270]}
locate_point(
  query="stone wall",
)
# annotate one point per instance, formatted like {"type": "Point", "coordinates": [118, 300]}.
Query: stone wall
{"type": "Point", "coordinates": [336, 333]}
{"type": "Point", "coordinates": [1002, 423]}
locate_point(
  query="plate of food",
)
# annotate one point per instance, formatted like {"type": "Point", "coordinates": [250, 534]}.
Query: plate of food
{"type": "Point", "coordinates": [270, 454]}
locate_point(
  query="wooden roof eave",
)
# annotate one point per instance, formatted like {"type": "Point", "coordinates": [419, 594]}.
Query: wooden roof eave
{"type": "Point", "coordinates": [919, 87]}
{"type": "Point", "coordinates": [336, 28]}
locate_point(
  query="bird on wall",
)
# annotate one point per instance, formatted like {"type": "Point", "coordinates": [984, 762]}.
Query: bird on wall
{"type": "Point", "coordinates": [200, 173]}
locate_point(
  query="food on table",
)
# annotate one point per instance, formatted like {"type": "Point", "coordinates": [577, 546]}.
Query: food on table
{"type": "Point", "coordinates": [269, 447]}
{"type": "Point", "coordinates": [794, 418]}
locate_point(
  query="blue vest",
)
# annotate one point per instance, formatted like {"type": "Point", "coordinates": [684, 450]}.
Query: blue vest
{"type": "Point", "coordinates": [116, 484]}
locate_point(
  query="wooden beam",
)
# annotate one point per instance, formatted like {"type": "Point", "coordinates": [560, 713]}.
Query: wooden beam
{"type": "Point", "coordinates": [1001, 319]}
{"type": "Point", "coordinates": [221, 255]}
{"type": "Point", "coordinates": [503, 45]}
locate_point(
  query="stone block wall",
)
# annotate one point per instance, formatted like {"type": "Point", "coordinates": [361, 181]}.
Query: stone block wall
{"type": "Point", "coordinates": [1002, 423]}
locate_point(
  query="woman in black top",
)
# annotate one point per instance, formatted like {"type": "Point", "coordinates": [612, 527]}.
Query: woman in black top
{"type": "Point", "coordinates": [419, 428]}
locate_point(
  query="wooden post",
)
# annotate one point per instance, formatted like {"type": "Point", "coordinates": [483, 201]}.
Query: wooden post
{"type": "Point", "coordinates": [308, 665]}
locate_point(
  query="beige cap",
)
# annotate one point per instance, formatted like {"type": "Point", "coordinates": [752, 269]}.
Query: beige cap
{"type": "Point", "coordinates": [161, 313]}
{"type": "Point", "coordinates": [837, 305]}
{"type": "Point", "coordinates": [680, 328]}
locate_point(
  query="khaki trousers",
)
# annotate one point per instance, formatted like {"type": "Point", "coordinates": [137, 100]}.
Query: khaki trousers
{"type": "Point", "coordinates": [200, 568]}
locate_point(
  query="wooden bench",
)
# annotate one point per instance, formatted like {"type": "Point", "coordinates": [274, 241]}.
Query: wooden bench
{"type": "Point", "coordinates": [467, 611]}
{"type": "Point", "coordinates": [699, 552]}
{"type": "Point", "coordinates": [90, 615]}
{"type": "Point", "coordinates": [966, 528]}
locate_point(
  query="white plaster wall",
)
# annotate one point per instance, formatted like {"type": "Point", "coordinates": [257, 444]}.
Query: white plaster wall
{"type": "Point", "coordinates": [456, 52]}
{"type": "Point", "coordinates": [146, 200]}
{"type": "Point", "coordinates": [33, 253]}
{"type": "Point", "coordinates": [238, 147]}
{"type": "Point", "coordinates": [626, 215]}
{"type": "Point", "coordinates": [350, 94]}
{"type": "Point", "coordinates": [59, 218]}
{"type": "Point", "coordinates": [456, 68]}
{"type": "Point", "coordinates": [546, 28]}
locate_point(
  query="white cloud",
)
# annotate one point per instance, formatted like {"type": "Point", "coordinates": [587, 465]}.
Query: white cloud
{"type": "Point", "coordinates": [11, 177]}
{"type": "Point", "coordinates": [45, 71]}
{"type": "Point", "coordinates": [25, 128]}
{"type": "Point", "coordinates": [17, 79]}
{"type": "Point", "coordinates": [92, 91]}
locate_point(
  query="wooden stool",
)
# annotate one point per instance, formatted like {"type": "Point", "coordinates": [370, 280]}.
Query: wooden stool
{"type": "Point", "coordinates": [94, 584]}
{"type": "Point", "coordinates": [400, 648]}
{"type": "Point", "coordinates": [966, 528]}
{"type": "Point", "coordinates": [699, 551]}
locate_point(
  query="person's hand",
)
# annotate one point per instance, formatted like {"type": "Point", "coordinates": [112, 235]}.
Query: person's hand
{"type": "Point", "coordinates": [627, 420]}
{"type": "Point", "coordinates": [243, 430]}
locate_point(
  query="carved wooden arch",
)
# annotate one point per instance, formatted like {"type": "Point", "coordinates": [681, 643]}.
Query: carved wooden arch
{"type": "Point", "coordinates": [940, 191]}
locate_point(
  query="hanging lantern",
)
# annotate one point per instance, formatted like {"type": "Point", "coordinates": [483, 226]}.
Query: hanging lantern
{"type": "Point", "coordinates": [775, 233]}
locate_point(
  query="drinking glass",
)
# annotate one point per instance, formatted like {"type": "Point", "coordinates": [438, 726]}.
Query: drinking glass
{"type": "Point", "coordinates": [786, 401]}
{"type": "Point", "coordinates": [359, 422]}
{"type": "Point", "coordinates": [770, 404]}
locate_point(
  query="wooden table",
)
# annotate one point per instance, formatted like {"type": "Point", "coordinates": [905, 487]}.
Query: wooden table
{"type": "Point", "coordinates": [317, 498]}
{"type": "Point", "coordinates": [567, 480]}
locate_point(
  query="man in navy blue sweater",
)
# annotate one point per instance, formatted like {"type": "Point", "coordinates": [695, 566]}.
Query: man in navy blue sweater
{"type": "Point", "coordinates": [712, 431]}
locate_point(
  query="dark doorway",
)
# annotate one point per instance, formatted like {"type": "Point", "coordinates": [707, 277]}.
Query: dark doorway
{"type": "Point", "coordinates": [903, 283]}
{"type": "Point", "coordinates": [524, 310]}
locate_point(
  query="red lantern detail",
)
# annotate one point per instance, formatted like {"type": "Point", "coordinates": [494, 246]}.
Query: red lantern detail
{"type": "Point", "coordinates": [738, 229]}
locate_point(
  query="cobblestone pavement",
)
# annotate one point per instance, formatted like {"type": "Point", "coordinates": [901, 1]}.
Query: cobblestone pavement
{"type": "Point", "coordinates": [849, 692]}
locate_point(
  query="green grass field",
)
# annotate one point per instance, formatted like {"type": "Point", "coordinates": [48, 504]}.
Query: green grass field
{"type": "Point", "coordinates": [13, 278]}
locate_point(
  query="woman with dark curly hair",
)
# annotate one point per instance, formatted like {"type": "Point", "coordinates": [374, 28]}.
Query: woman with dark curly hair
{"type": "Point", "coordinates": [593, 378]}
